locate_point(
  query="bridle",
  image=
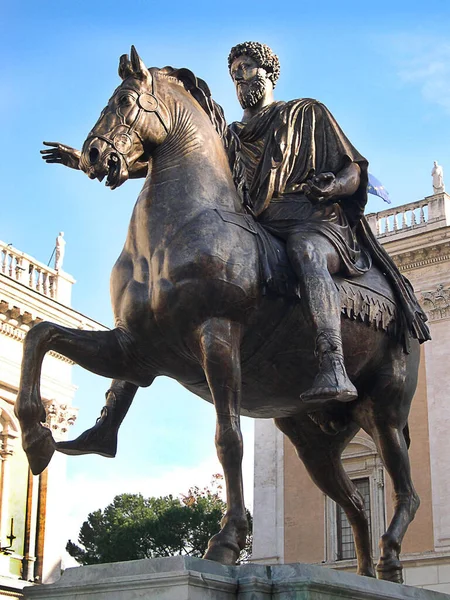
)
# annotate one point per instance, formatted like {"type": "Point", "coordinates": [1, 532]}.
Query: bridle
{"type": "Point", "coordinates": [120, 137]}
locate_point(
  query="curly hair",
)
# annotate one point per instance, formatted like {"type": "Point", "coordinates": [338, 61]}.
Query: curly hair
{"type": "Point", "coordinates": [263, 56]}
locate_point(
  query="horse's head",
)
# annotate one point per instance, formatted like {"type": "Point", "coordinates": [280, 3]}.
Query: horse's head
{"type": "Point", "coordinates": [122, 136]}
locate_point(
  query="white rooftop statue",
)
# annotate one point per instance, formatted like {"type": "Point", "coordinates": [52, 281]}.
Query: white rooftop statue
{"type": "Point", "coordinates": [60, 249]}
{"type": "Point", "coordinates": [437, 174]}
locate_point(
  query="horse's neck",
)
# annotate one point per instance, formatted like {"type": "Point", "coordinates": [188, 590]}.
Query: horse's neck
{"type": "Point", "coordinates": [190, 170]}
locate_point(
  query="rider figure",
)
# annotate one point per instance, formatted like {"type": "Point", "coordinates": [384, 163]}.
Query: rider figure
{"type": "Point", "coordinates": [307, 185]}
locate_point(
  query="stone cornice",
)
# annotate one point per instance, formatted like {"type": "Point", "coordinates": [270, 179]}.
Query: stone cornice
{"type": "Point", "coordinates": [422, 256]}
{"type": "Point", "coordinates": [23, 299]}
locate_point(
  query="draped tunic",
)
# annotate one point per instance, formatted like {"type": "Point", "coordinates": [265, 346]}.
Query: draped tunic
{"type": "Point", "coordinates": [282, 147]}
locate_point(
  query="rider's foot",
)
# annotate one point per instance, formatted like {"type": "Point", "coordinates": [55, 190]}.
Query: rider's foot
{"type": "Point", "coordinates": [100, 439]}
{"type": "Point", "coordinates": [331, 382]}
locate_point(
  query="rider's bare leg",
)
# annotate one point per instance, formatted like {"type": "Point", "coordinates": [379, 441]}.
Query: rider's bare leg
{"type": "Point", "coordinates": [102, 437]}
{"type": "Point", "coordinates": [314, 260]}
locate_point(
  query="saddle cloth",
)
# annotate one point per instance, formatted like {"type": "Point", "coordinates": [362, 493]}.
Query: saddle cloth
{"type": "Point", "coordinates": [368, 298]}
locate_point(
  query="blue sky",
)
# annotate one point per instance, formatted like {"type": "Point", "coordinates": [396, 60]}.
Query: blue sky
{"type": "Point", "coordinates": [382, 68]}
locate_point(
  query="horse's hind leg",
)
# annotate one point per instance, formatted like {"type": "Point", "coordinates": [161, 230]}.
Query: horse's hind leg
{"type": "Point", "coordinates": [102, 437]}
{"type": "Point", "coordinates": [219, 343]}
{"type": "Point", "coordinates": [392, 396]}
{"type": "Point", "coordinates": [103, 352]}
{"type": "Point", "coordinates": [392, 447]}
{"type": "Point", "coordinates": [321, 455]}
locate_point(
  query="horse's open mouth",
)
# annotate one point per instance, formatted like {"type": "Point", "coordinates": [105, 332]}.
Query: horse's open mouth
{"type": "Point", "coordinates": [114, 169]}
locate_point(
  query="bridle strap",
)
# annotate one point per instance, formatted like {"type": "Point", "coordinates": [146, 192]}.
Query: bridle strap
{"type": "Point", "coordinates": [120, 136]}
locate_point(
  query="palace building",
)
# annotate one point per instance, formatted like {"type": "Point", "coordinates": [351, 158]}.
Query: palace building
{"type": "Point", "coordinates": [32, 508]}
{"type": "Point", "coordinates": [293, 520]}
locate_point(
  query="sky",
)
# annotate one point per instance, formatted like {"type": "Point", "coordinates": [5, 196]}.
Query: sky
{"type": "Point", "coordinates": [382, 68]}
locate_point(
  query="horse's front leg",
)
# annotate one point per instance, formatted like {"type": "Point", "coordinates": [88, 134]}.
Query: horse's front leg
{"type": "Point", "coordinates": [220, 356]}
{"type": "Point", "coordinates": [102, 352]}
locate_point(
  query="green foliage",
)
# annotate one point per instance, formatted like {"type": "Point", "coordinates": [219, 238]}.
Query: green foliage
{"type": "Point", "coordinates": [133, 527]}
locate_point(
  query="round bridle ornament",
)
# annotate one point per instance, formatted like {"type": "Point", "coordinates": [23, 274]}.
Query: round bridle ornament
{"type": "Point", "coordinates": [123, 143]}
{"type": "Point", "coordinates": [148, 102]}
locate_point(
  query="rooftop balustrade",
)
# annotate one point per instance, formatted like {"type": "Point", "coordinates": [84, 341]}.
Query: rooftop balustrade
{"type": "Point", "coordinates": [32, 273]}
{"type": "Point", "coordinates": [430, 213]}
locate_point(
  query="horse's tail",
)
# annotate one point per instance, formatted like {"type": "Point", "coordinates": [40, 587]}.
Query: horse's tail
{"type": "Point", "coordinates": [406, 435]}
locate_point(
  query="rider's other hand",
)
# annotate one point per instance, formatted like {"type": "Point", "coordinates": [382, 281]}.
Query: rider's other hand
{"type": "Point", "coordinates": [61, 154]}
{"type": "Point", "coordinates": [322, 187]}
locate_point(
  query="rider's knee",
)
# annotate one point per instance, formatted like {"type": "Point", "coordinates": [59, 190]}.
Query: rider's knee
{"type": "Point", "coordinates": [306, 253]}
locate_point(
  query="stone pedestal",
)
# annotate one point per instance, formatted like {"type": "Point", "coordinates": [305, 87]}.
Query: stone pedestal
{"type": "Point", "coordinates": [186, 578]}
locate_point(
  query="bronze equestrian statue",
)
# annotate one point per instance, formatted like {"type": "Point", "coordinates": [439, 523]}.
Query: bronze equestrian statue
{"type": "Point", "coordinates": [248, 275]}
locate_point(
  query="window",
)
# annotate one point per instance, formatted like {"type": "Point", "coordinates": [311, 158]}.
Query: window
{"type": "Point", "coordinates": [345, 542]}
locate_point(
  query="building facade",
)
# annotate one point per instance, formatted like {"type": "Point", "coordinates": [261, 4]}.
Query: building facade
{"type": "Point", "coordinates": [293, 520]}
{"type": "Point", "coordinates": [32, 508]}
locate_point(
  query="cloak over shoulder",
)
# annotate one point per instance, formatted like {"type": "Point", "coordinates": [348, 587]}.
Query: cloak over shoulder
{"type": "Point", "coordinates": [288, 142]}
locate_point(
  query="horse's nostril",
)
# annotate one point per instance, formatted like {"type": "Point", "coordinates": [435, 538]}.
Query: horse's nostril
{"type": "Point", "coordinates": [93, 155]}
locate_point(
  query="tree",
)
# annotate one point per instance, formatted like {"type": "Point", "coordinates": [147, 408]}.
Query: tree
{"type": "Point", "coordinates": [133, 527]}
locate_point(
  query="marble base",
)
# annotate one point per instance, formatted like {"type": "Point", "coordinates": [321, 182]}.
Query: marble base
{"type": "Point", "coordinates": [186, 578]}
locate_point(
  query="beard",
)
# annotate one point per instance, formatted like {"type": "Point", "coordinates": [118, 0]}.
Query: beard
{"type": "Point", "coordinates": [252, 92]}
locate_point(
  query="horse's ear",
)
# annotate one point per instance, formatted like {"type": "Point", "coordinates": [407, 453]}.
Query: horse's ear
{"type": "Point", "coordinates": [125, 68]}
{"type": "Point", "coordinates": [138, 66]}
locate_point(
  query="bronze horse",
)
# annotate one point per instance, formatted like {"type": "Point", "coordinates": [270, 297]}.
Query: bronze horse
{"type": "Point", "coordinates": [189, 303]}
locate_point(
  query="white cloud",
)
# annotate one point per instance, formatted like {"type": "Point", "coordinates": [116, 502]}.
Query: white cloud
{"type": "Point", "coordinates": [423, 61]}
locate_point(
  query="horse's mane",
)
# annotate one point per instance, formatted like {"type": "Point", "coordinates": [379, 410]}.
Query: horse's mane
{"type": "Point", "coordinates": [199, 89]}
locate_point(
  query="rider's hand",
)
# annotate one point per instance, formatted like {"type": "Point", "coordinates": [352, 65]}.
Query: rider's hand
{"type": "Point", "coordinates": [321, 188]}
{"type": "Point", "coordinates": [60, 154]}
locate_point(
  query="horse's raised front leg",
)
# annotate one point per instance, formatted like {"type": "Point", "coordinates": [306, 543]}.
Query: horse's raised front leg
{"type": "Point", "coordinates": [102, 437]}
{"type": "Point", "coordinates": [220, 356]}
{"type": "Point", "coordinates": [321, 455]}
{"type": "Point", "coordinates": [102, 352]}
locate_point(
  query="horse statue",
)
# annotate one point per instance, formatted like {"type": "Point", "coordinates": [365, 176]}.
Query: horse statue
{"type": "Point", "coordinates": [189, 303]}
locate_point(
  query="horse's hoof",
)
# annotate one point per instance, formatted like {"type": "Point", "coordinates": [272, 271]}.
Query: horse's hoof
{"type": "Point", "coordinates": [369, 572]}
{"type": "Point", "coordinates": [39, 447]}
{"type": "Point", "coordinates": [322, 395]}
{"type": "Point", "coordinates": [225, 553]}
{"type": "Point", "coordinates": [79, 447]}
{"type": "Point", "coordinates": [390, 570]}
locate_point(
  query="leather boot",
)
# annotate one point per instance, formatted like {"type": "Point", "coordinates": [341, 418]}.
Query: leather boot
{"type": "Point", "coordinates": [331, 382]}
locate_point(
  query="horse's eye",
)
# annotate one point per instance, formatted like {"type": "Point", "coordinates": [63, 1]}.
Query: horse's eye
{"type": "Point", "coordinates": [124, 100]}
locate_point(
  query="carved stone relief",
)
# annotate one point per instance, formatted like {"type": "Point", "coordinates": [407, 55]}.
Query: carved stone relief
{"type": "Point", "coordinates": [437, 303]}
{"type": "Point", "coordinates": [60, 417]}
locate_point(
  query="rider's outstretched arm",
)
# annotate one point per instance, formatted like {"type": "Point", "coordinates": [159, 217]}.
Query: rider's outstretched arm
{"type": "Point", "coordinates": [60, 154]}
{"type": "Point", "coordinates": [70, 157]}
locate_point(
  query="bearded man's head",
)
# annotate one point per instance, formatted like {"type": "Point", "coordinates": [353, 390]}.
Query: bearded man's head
{"type": "Point", "coordinates": [251, 90]}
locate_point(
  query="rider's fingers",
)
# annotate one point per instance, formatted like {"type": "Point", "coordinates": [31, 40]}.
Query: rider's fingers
{"type": "Point", "coordinates": [315, 190]}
